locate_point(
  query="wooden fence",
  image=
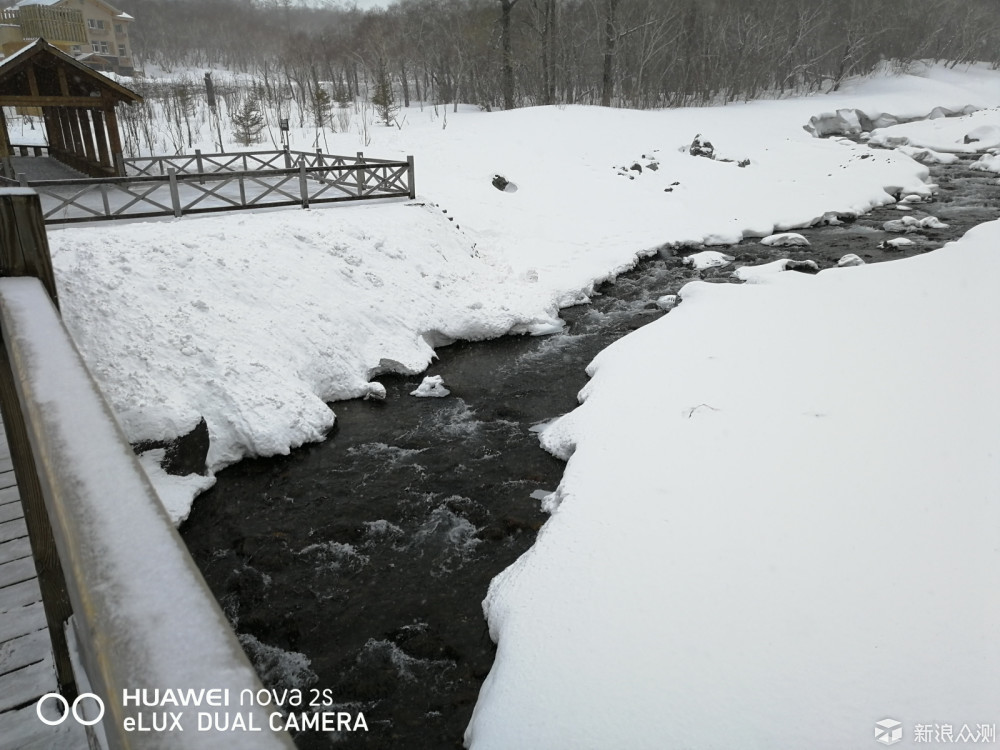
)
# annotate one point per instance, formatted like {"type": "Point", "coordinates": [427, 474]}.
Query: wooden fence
{"type": "Point", "coordinates": [106, 551]}
{"type": "Point", "coordinates": [203, 183]}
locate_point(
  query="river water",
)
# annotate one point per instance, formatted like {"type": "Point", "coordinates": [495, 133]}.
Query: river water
{"type": "Point", "coordinates": [357, 566]}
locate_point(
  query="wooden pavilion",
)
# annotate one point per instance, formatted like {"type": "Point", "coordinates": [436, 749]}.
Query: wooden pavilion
{"type": "Point", "coordinates": [77, 106]}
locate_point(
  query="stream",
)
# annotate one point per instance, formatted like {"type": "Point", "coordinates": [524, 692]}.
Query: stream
{"type": "Point", "coordinates": [357, 566]}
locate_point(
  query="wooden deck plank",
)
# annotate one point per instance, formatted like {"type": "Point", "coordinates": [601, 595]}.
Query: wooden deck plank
{"type": "Point", "coordinates": [13, 530]}
{"type": "Point", "coordinates": [6, 464]}
{"type": "Point", "coordinates": [7, 480]}
{"type": "Point", "coordinates": [27, 685]}
{"type": "Point", "coordinates": [11, 512]}
{"type": "Point", "coordinates": [19, 595]}
{"type": "Point", "coordinates": [21, 730]}
{"type": "Point", "coordinates": [15, 549]}
{"type": "Point", "coordinates": [20, 621]}
{"type": "Point", "coordinates": [17, 571]}
{"type": "Point", "coordinates": [24, 651]}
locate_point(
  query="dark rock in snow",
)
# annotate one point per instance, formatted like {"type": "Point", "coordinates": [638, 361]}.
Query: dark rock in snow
{"type": "Point", "coordinates": [183, 455]}
{"type": "Point", "coordinates": [500, 182]}
{"type": "Point", "coordinates": [802, 266]}
{"type": "Point", "coordinates": [701, 147]}
{"type": "Point", "coordinates": [637, 167]}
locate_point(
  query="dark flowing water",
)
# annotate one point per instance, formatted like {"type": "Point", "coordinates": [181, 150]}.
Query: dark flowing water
{"type": "Point", "coordinates": [370, 553]}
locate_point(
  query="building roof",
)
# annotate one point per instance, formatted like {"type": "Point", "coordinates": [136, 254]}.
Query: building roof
{"type": "Point", "coordinates": [82, 81]}
{"type": "Point", "coordinates": [109, 6]}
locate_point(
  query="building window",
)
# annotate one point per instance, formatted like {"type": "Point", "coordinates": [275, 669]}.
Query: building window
{"type": "Point", "coordinates": [119, 29]}
{"type": "Point", "coordinates": [105, 49]}
{"type": "Point", "coordinates": [121, 51]}
{"type": "Point", "coordinates": [75, 49]}
{"type": "Point", "coordinates": [95, 23]}
{"type": "Point", "coordinates": [95, 46]}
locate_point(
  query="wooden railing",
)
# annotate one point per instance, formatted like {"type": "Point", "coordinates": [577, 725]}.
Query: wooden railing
{"type": "Point", "coordinates": [201, 183]}
{"type": "Point", "coordinates": [241, 161]}
{"type": "Point", "coordinates": [142, 616]}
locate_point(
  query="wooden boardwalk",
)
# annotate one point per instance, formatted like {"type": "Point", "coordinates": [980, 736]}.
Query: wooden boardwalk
{"type": "Point", "coordinates": [26, 669]}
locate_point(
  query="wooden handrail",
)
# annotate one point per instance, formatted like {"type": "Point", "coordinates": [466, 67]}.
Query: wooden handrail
{"type": "Point", "coordinates": [142, 614]}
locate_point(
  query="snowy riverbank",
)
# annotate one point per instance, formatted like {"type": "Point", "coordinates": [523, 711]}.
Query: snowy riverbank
{"type": "Point", "coordinates": [253, 321]}
{"type": "Point", "coordinates": [776, 525]}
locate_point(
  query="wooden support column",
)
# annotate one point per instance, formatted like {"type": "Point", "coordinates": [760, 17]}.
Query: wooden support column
{"type": "Point", "coordinates": [114, 139]}
{"type": "Point", "coordinates": [69, 132]}
{"type": "Point", "coordinates": [87, 133]}
{"type": "Point", "coordinates": [101, 136]}
{"type": "Point", "coordinates": [4, 138]}
{"type": "Point", "coordinates": [24, 251]}
{"type": "Point", "coordinates": [53, 130]}
{"type": "Point", "coordinates": [6, 169]}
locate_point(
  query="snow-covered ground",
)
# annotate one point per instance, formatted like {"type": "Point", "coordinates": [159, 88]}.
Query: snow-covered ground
{"type": "Point", "coordinates": [778, 522]}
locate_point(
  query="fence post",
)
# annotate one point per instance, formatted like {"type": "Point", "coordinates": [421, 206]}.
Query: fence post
{"type": "Point", "coordinates": [24, 251]}
{"type": "Point", "coordinates": [120, 164]}
{"type": "Point", "coordinates": [175, 196]}
{"type": "Point", "coordinates": [8, 168]}
{"type": "Point", "coordinates": [360, 173]}
{"type": "Point", "coordinates": [303, 184]}
{"type": "Point", "coordinates": [104, 200]}
{"type": "Point", "coordinates": [288, 158]}
{"type": "Point", "coordinates": [201, 167]}
{"type": "Point", "coordinates": [22, 178]}
{"type": "Point", "coordinates": [320, 162]}
{"type": "Point", "coordinates": [411, 177]}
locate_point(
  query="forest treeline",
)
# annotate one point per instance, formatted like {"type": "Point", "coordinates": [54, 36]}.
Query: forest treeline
{"type": "Point", "coordinates": [507, 53]}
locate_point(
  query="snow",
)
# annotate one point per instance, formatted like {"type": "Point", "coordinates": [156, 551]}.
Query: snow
{"type": "Point", "coordinates": [761, 551]}
{"type": "Point", "coordinates": [257, 321]}
{"type": "Point", "coordinates": [944, 136]}
{"type": "Point", "coordinates": [431, 387]}
{"type": "Point", "coordinates": [849, 260]}
{"type": "Point", "coordinates": [789, 539]}
{"type": "Point", "coordinates": [708, 259]}
{"type": "Point", "coordinates": [785, 239]}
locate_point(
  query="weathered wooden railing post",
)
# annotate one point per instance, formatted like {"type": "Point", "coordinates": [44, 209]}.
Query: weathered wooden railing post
{"type": "Point", "coordinates": [24, 251]}
{"type": "Point", "coordinates": [175, 195]}
{"type": "Point", "coordinates": [411, 177]}
{"type": "Point", "coordinates": [360, 173]}
{"type": "Point", "coordinates": [201, 167]}
{"type": "Point", "coordinates": [303, 183]}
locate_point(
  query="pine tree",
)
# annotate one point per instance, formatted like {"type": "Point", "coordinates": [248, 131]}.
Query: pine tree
{"type": "Point", "coordinates": [248, 121]}
{"type": "Point", "coordinates": [320, 105]}
{"type": "Point", "coordinates": [383, 99]}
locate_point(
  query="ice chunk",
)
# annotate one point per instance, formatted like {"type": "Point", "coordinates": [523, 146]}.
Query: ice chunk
{"type": "Point", "coordinates": [850, 260]}
{"type": "Point", "coordinates": [785, 239]}
{"type": "Point", "coordinates": [708, 259]}
{"type": "Point", "coordinates": [431, 387]}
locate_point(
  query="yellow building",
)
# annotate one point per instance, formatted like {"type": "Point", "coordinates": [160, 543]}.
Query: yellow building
{"type": "Point", "coordinates": [92, 31]}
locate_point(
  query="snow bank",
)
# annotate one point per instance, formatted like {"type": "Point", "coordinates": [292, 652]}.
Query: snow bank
{"type": "Point", "coordinates": [963, 135]}
{"type": "Point", "coordinates": [791, 537]}
{"type": "Point", "coordinates": [256, 321]}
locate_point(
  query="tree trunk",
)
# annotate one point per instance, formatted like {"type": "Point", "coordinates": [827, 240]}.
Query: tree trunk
{"type": "Point", "coordinates": [610, 40]}
{"type": "Point", "coordinates": [508, 58]}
